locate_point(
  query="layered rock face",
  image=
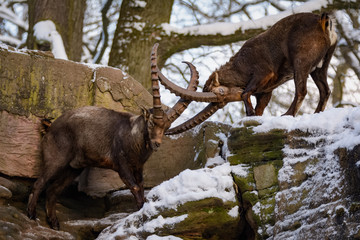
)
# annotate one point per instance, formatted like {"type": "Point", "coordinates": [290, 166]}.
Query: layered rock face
{"type": "Point", "coordinates": [264, 178]}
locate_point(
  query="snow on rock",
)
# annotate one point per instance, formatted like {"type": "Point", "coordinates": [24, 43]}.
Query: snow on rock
{"type": "Point", "coordinates": [339, 122]}
{"type": "Point", "coordinates": [189, 185]}
{"type": "Point", "coordinates": [45, 31]}
{"type": "Point", "coordinates": [156, 237]}
{"type": "Point", "coordinates": [192, 185]}
{"type": "Point", "coordinates": [322, 190]}
{"type": "Point", "coordinates": [234, 212]}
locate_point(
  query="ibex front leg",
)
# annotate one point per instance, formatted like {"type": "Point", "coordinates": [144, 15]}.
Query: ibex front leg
{"type": "Point", "coordinates": [127, 176]}
{"type": "Point", "coordinates": [259, 81]}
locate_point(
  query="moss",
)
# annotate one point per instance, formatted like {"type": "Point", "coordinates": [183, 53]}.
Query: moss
{"type": "Point", "coordinates": [248, 147]}
{"type": "Point", "coordinates": [267, 207]}
{"type": "Point", "coordinates": [268, 191]}
{"type": "Point", "coordinates": [207, 218]}
{"type": "Point", "coordinates": [340, 212]}
{"type": "Point", "coordinates": [245, 183]}
{"type": "Point", "coordinates": [354, 207]}
{"type": "Point", "coordinates": [42, 86]}
{"type": "Point", "coordinates": [251, 197]}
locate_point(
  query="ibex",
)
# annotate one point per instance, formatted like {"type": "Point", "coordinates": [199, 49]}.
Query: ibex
{"type": "Point", "coordinates": [293, 48]}
{"type": "Point", "coordinates": [98, 137]}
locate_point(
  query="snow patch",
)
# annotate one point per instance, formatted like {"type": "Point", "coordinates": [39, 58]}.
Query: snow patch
{"type": "Point", "coordinates": [156, 237]}
{"type": "Point", "coordinates": [240, 170]}
{"type": "Point", "coordinates": [45, 31]}
{"type": "Point", "coordinates": [217, 160]}
{"type": "Point", "coordinates": [160, 221]}
{"type": "Point", "coordinates": [234, 212]}
{"type": "Point", "coordinates": [357, 164]}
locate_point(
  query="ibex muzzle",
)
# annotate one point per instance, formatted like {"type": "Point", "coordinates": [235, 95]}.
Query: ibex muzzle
{"type": "Point", "coordinates": [293, 48]}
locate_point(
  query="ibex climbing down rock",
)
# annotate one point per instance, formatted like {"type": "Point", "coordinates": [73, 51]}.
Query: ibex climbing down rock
{"type": "Point", "coordinates": [296, 46]}
{"type": "Point", "coordinates": [98, 137]}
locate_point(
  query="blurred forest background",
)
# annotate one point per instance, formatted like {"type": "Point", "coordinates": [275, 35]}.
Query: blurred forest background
{"type": "Point", "coordinates": [122, 33]}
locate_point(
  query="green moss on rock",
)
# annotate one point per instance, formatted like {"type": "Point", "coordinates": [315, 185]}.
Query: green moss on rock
{"type": "Point", "coordinates": [207, 218]}
{"type": "Point", "coordinates": [249, 147]}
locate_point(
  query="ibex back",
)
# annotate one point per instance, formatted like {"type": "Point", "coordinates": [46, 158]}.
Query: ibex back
{"type": "Point", "coordinates": [293, 48]}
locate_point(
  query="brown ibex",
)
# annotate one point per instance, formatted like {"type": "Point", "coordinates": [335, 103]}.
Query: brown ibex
{"type": "Point", "coordinates": [98, 137]}
{"type": "Point", "coordinates": [293, 48]}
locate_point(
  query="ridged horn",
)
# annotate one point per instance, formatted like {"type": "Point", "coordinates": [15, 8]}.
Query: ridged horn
{"type": "Point", "coordinates": [158, 112]}
{"type": "Point", "coordinates": [187, 94]}
{"type": "Point", "coordinates": [181, 105]}
{"type": "Point", "coordinates": [209, 110]}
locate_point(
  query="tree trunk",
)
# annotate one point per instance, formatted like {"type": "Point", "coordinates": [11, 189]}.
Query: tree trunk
{"type": "Point", "coordinates": [68, 17]}
{"type": "Point", "coordinates": [136, 32]}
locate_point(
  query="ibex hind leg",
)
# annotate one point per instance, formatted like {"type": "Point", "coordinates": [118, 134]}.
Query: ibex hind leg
{"type": "Point", "coordinates": [55, 160]}
{"type": "Point", "coordinates": [38, 187]}
{"type": "Point", "coordinates": [54, 190]}
{"type": "Point", "coordinates": [320, 78]}
{"type": "Point", "coordinates": [34, 195]}
{"type": "Point", "coordinates": [300, 78]}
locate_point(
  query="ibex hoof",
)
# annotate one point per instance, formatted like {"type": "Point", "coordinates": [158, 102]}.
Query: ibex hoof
{"type": "Point", "coordinates": [31, 212]}
{"type": "Point", "coordinates": [54, 223]}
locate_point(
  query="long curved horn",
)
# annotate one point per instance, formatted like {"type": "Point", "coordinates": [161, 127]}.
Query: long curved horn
{"type": "Point", "coordinates": [196, 120]}
{"type": "Point", "coordinates": [180, 106]}
{"type": "Point", "coordinates": [187, 94]}
{"type": "Point", "coordinates": [158, 112]}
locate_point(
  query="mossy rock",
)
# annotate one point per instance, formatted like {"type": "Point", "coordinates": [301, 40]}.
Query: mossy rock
{"type": "Point", "coordinates": [265, 176]}
{"type": "Point", "coordinates": [207, 219]}
{"type": "Point", "coordinates": [210, 144]}
{"type": "Point", "coordinates": [40, 86]}
{"type": "Point", "coordinates": [248, 147]}
{"type": "Point", "coordinates": [268, 191]}
{"type": "Point", "coordinates": [245, 183]}
{"type": "Point", "coordinates": [250, 197]}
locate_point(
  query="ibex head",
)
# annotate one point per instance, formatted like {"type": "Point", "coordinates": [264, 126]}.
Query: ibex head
{"type": "Point", "coordinates": [159, 120]}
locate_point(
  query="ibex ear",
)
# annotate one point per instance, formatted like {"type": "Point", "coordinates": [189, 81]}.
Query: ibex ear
{"type": "Point", "coordinates": [146, 113]}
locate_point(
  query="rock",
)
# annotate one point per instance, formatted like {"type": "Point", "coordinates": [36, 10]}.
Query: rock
{"type": "Point", "coordinates": [5, 193]}
{"type": "Point", "coordinates": [247, 147]}
{"type": "Point", "coordinates": [15, 225]}
{"type": "Point", "coordinates": [19, 144]}
{"type": "Point", "coordinates": [265, 176]}
{"type": "Point", "coordinates": [36, 84]}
